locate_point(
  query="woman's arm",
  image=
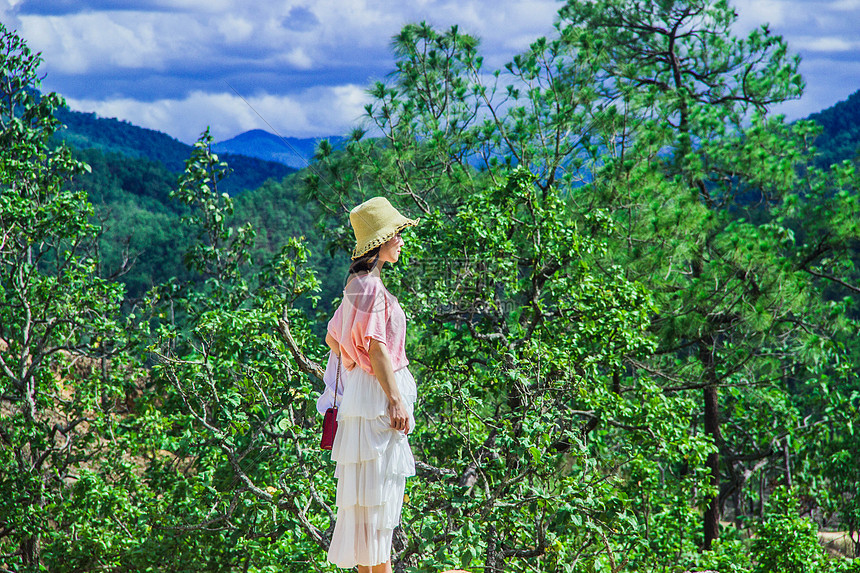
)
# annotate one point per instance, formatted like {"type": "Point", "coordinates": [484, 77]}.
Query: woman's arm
{"type": "Point", "coordinates": [380, 361]}
{"type": "Point", "coordinates": [332, 343]}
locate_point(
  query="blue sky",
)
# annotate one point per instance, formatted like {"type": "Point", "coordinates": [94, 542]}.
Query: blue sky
{"type": "Point", "coordinates": [173, 65]}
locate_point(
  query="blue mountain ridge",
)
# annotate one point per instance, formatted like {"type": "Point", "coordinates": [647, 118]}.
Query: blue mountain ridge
{"type": "Point", "coordinates": [292, 151]}
{"type": "Point", "coordinates": [256, 155]}
{"type": "Point", "coordinates": [840, 132]}
{"type": "Point", "coordinates": [113, 136]}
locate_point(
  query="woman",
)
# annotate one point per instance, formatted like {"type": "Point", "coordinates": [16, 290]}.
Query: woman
{"type": "Point", "coordinates": [375, 414]}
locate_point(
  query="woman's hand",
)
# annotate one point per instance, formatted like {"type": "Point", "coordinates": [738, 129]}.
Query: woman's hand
{"type": "Point", "coordinates": [380, 361]}
{"type": "Point", "coordinates": [399, 416]}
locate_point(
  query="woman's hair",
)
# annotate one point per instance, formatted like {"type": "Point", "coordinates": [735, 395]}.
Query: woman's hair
{"type": "Point", "coordinates": [365, 263]}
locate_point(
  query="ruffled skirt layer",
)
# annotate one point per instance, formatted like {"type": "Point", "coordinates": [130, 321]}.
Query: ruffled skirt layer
{"type": "Point", "coordinates": [373, 462]}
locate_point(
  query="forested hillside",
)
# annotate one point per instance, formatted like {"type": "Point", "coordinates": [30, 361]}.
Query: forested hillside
{"type": "Point", "coordinates": [840, 136]}
{"type": "Point", "coordinates": [632, 314]}
{"type": "Point", "coordinates": [88, 131]}
{"type": "Point", "coordinates": [132, 172]}
{"type": "Point", "coordinates": [134, 169]}
{"type": "Point", "coordinates": [141, 224]}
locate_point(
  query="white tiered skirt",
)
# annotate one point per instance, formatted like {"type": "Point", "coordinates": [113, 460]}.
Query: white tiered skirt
{"type": "Point", "coordinates": [373, 462]}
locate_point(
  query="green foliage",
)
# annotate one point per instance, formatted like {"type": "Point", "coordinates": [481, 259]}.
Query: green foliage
{"type": "Point", "coordinates": [280, 214]}
{"type": "Point", "coordinates": [626, 298]}
{"type": "Point", "coordinates": [728, 555]}
{"type": "Point", "coordinates": [847, 566]}
{"type": "Point", "coordinates": [86, 131]}
{"type": "Point", "coordinates": [236, 476]}
{"type": "Point", "coordinates": [512, 339]}
{"type": "Point", "coordinates": [786, 543]}
{"type": "Point", "coordinates": [646, 123]}
{"type": "Point", "coordinates": [132, 172]}
{"type": "Point", "coordinates": [839, 139]}
{"type": "Point", "coordinates": [141, 240]}
{"type": "Point", "coordinates": [63, 374]}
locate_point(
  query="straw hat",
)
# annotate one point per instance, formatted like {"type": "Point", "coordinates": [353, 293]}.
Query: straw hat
{"type": "Point", "coordinates": [374, 222]}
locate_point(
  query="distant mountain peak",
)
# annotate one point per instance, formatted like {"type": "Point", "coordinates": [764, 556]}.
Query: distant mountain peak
{"type": "Point", "coordinates": [291, 151]}
{"type": "Point", "coordinates": [110, 135]}
{"type": "Point", "coordinates": [252, 134]}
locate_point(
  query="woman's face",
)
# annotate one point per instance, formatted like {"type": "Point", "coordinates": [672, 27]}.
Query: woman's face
{"type": "Point", "coordinates": [389, 252]}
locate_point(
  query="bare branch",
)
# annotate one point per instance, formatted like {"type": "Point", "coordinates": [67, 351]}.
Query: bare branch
{"type": "Point", "coordinates": [305, 364]}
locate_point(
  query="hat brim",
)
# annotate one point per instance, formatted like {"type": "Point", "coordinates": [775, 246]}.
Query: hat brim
{"type": "Point", "coordinates": [361, 250]}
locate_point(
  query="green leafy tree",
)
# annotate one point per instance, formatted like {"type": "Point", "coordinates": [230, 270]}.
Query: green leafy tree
{"type": "Point", "coordinates": [524, 441]}
{"type": "Point", "coordinates": [239, 485]}
{"type": "Point", "coordinates": [500, 311]}
{"type": "Point", "coordinates": [655, 115]}
{"type": "Point", "coordinates": [63, 371]}
{"type": "Point", "coordinates": [690, 84]}
{"type": "Point", "coordinates": [708, 190]}
{"type": "Point", "coordinates": [785, 542]}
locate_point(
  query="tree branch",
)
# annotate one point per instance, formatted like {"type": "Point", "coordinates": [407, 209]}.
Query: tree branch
{"type": "Point", "coordinates": [305, 364]}
{"type": "Point", "coordinates": [833, 279]}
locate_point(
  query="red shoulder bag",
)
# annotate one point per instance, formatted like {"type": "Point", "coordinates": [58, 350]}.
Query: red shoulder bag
{"type": "Point", "coordinates": [330, 419]}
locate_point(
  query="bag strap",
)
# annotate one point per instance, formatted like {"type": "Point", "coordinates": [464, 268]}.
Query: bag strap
{"type": "Point", "coordinates": [337, 380]}
{"type": "Point", "coordinates": [340, 351]}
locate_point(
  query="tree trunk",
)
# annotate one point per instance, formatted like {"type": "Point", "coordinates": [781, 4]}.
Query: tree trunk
{"type": "Point", "coordinates": [712, 428]}
{"type": "Point", "coordinates": [31, 543]}
{"type": "Point", "coordinates": [495, 562]}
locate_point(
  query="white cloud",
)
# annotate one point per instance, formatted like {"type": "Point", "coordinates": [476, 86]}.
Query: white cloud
{"type": "Point", "coordinates": [314, 112]}
{"type": "Point", "coordinates": [298, 58]}
{"type": "Point", "coordinates": [512, 29]}
{"type": "Point", "coordinates": [845, 5]}
{"type": "Point", "coordinates": [331, 31]}
{"type": "Point", "coordinates": [798, 20]}
{"type": "Point", "coordinates": [81, 43]}
{"type": "Point", "coordinates": [235, 30]}
{"type": "Point", "coordinates": [7, 11]}
{"type": "Point", "coordinates": [301, 35]}
{"type": "Point", "coordinates": [824, 44]}
{"type": "Point", "coordinates": [828, 82]}
{"type": "Point", "coordinates": [754, 13]}
{"type": "Point", "coordinates": [507, 27]}
{"type": "Point", "coordinates": [215, 6]}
